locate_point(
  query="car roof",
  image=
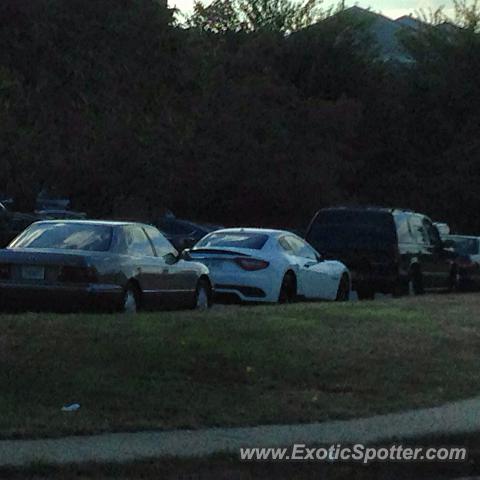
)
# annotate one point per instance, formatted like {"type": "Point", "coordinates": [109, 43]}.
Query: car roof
{"type": "Point", "coordinates": [260, 231]}
{"type": "Point", "coordinates": [368, 208]}
{"type": "Point", "coordinates": [110, 223]}
{"type": "Point", "coordinates": [57, 210]}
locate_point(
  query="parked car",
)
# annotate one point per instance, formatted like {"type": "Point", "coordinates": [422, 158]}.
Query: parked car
{"type": "Point", "coordinates": [114, 265]}
{"type": "Point", "coordinates": [13, 223]}
{"type": "Point", "coordinates": [387, 250]}
{"type": "Point", "coordinates": [467, 249]}
{"type": "Point", "coordinates": [259, 265]}
{"type": "Point", "coordinates": [60, 215]}
{"type": "Point", "coordinates": [45, 201]}
{"type": "Point", "coordinates": [183, 233]}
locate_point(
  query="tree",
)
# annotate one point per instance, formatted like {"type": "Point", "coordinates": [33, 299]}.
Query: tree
{"type": "Point", "coordinates": [220, 16]}
{"type": "Point", "coordinates": [284, 16]}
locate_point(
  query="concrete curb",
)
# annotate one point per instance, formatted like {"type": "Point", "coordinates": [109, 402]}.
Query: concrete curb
{"type": "Point", "coordinates": [454, 418]}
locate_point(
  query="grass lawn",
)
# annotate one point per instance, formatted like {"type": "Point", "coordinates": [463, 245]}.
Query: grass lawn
{"type": "Point", "coordinates": [235, 365]}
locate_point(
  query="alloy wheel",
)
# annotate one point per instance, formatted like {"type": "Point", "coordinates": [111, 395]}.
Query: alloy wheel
{"type": "Point", "coordinates": [202, 302]}
{"type": "Point", "coordinates": [130, 302]}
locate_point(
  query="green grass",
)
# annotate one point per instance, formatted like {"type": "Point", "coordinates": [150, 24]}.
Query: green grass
{"type": "Point", "coordinates": [235, 365]}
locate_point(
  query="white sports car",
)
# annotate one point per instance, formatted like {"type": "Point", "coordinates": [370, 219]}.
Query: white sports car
{"type": "Point", "coordinates": [259, 265]}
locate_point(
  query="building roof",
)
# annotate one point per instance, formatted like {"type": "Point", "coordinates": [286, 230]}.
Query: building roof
{"type": "Point", "coordinates": [386, 30]}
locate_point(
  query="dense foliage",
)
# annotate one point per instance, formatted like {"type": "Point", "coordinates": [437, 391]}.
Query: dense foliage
{"type": "Point", "coordinates": [256, 120]}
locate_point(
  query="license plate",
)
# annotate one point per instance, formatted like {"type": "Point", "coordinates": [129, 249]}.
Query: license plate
{"type": "Point", "coordinates": [33, 273]}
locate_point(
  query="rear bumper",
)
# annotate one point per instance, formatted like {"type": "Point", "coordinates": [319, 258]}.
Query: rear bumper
{"type": "Point", "coordinates": [60, 297]}
{"type": "Point", "coordinates": [238, 293]}
{"type": "Point", "coordinates": [252, 287]}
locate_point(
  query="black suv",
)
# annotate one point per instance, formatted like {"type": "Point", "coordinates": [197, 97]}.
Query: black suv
{"type": "Point", "coordinates": [387, 250]}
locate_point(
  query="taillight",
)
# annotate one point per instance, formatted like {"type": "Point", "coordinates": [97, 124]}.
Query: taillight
{"type": "Point", "coordinates": [78, 275]}
{"type": "Point", "coordinates": [251, 264]}
{"type": "Point", "coordinates": [4, 271]}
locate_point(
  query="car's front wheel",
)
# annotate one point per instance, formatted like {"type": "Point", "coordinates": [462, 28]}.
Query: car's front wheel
{"type": "Point", "coordinates": [343, 292]}
{"type": "Point", "coordinates": [131, 299]}
{"type": "Point", "coordinates": [203, 295]}
{"type": "Point", "coordinates": [415, 282]}
{"type": "Point", "coordinates": [288, 290]}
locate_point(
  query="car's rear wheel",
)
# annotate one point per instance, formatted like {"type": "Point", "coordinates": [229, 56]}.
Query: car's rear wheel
{"type": "Point", "coordinates": [288, 290]}
{"type": "Point", "coordinates": [203, 295]}
{"type": "Point", "coordinates": [131, 299]}
{"type": "Point", "coordinates": [343, 292]}
{"type": "Point", "coordinates": [415, 282]}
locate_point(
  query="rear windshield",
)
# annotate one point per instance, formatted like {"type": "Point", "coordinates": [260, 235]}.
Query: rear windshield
{"type": "Point", "coordinates": [465, 246]}
{"type": "Point", "coordinates": [65, 236]}
{"type": "Point", "coordinates": [335, 230]}
{"type": "Point", "coordinates": [254, 241]}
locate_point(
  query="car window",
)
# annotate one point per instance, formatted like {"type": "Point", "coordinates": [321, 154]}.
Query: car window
{"type": "Point", "coordinates": [334, 230]}
{"type": "Point", "coordinates": [162, 245]}
{"type": "Point", "coordinates": [285, 244]}
{"type": "Point", "coordinates": [239, 239]}
{"type": "Point", "coordinates": [418, 230]}
{"type": "Point", "coordinates": [67, 236]}
{"type": "Point", "coordinates": [138, 243]}
{"type": "Point", "coordinates": [465, 245]}
{"type": "Point", "coordinates": [301, 248]}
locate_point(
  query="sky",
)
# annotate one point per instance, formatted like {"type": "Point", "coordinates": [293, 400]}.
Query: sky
{"type": "Point", "coordinates": [390, 8]}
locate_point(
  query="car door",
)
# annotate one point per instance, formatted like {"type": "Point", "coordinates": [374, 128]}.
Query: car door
{"type": "Point", "coordinates": [314, 280]}
{"type": "Point", "coordinates": [179, 278]}
{"type": "Point", "coordinates": [149, 270]}
{"type": "Point", "coordinates": [440, 260]}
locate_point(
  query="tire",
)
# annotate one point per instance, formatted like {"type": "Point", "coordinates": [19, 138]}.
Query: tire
{"type": "Point", "coordinates": [415, 283]}
{"type": "Point", "coordinates": [454, 281]}
{"type": "Point", "coordinates": [343, 292]}
{"type": "Point", "coordinates": [203, 295]}
{"type": "Point", "coordinates": [131, 299]}
{"type": "Point", "coordinates": [365, 293]}
{"type": "Point", "coordinates": [288, 290]}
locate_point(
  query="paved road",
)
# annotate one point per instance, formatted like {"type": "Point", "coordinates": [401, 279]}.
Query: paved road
{"type": "Point", "coordinates": [454, 418]}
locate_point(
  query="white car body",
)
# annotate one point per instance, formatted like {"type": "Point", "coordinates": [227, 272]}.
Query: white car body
{"type": "Point", "coordinates": [315, 278]}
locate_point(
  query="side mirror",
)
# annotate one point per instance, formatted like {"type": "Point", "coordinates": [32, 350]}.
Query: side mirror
{"type": "Point", "coordinates": [185, 255]}
{"type": "Point", "coordinates": [170, 259]}
{"type": "Point", "coordinates": [320, 258]}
